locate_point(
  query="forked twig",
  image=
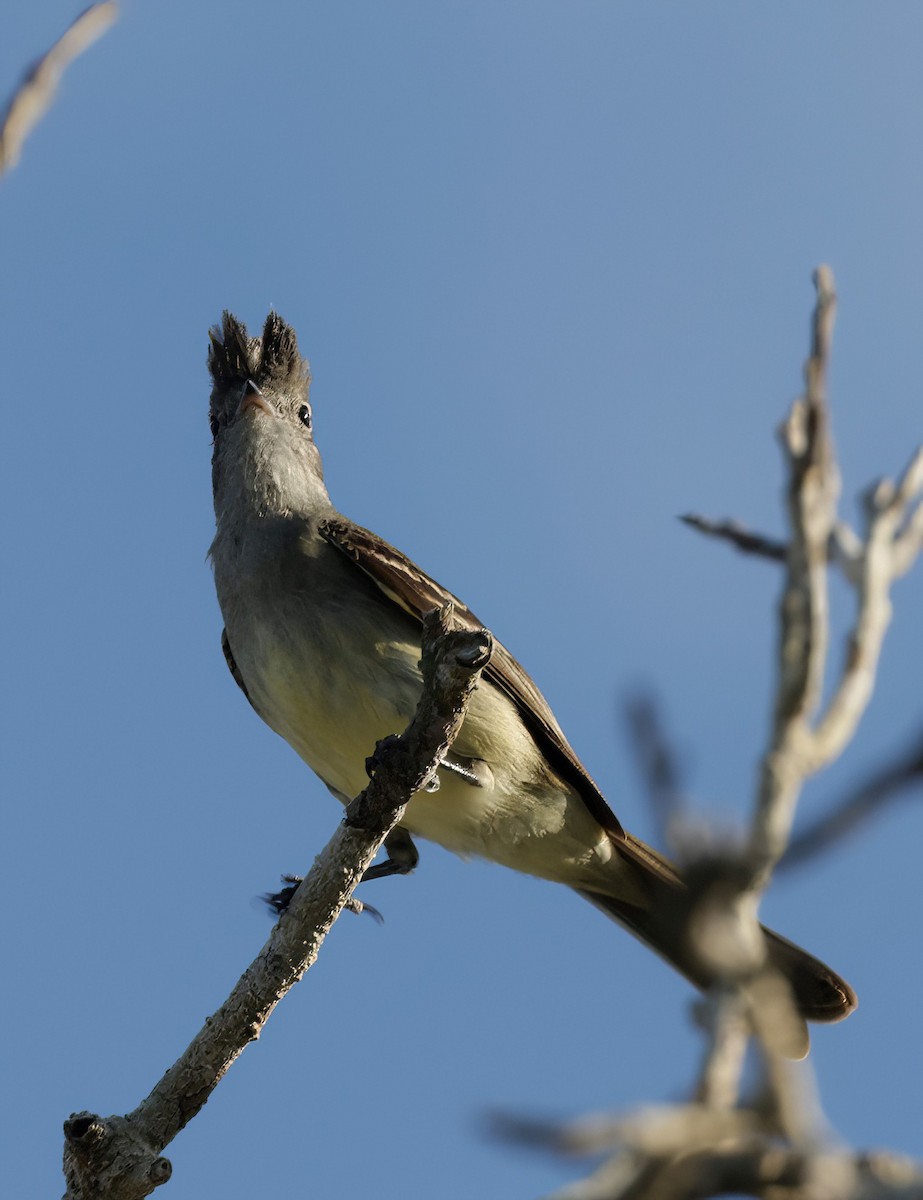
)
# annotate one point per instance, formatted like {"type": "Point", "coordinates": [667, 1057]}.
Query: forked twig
{"type": "Point", "coordinates": [778, 1146]}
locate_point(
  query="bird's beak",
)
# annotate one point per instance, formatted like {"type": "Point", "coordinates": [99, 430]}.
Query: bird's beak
{"type": "Point", "coordinates": [254, 398]}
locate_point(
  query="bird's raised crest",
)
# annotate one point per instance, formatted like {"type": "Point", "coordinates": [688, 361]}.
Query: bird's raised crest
{"type": "Point", "coordinates": [271, 360]}
{"type": "Point", "coordinates": [234, 356]}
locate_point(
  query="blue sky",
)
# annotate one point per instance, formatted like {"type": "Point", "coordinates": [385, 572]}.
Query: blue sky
{"type": "Point", "coordinates": [551, 264]}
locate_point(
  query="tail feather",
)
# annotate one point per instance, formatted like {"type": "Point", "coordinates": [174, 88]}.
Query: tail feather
{"type": "Point", "coordinates": [820, 994]}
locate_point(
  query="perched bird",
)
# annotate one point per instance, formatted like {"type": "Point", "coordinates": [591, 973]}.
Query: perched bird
{"type": "Point", "coordinates": [322, 633]}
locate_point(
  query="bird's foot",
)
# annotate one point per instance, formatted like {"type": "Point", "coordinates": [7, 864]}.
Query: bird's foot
{"type": "Point", "coordinates": [278, 902]}
{"type": "Point", "coordinates": [380, 753]}
{"type": "Point", "coordinates": [403, 856]}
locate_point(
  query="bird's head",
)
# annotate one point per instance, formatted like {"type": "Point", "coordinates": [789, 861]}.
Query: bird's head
{"type": "Point", "coordinates": [263, 457]}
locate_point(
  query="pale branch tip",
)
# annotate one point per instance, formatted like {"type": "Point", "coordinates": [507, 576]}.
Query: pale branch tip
{"type": "Point", "coordinates": [882, 557]}
{"type": "Point", "coordinates": [805, 740]}
{"type": "Point", "coordinates": [32, 98]}
{"type": "Point", "coordinates": [812, 492]}
{"type": "Point", "coordinates": [822, 324]}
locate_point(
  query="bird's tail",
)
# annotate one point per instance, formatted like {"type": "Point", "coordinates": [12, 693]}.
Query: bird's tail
{"type": "Point", "coordinates": [661, 923]}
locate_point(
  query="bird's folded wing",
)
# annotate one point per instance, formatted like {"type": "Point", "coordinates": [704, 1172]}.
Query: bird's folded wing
{"type": "Point", "coordinates": [232, 664]}
{"type": "Point", "coordinates": [405, 584]}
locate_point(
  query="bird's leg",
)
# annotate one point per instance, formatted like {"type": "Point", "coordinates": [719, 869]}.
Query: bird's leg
{"type": "Point", "coordinates": [403, 856]}
{"type": "Point", "coordinates": [279, 901]}
{"type": "Point", "coordinates": [378, 755]}
{"type": "Point", "coordinates": [471, 770]}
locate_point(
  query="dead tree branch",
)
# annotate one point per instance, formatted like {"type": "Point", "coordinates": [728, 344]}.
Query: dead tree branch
{"type": "Point", "coordinates": [777, 1147]}
{"type": "Point", "coordinates": [34, 95]}
{"type": "Point", "coordinates": [812, 493]}
{"type": "Point", "coordinates": [891, 782]}
{"type": "Point", "coordinates": [803, 742]}
{"type": "Point", "coordinates": [657, 762]}
{"type": "Point", "coordinates": [741, 538]}
{"type": "Point", "coordinates": [118, 1158]}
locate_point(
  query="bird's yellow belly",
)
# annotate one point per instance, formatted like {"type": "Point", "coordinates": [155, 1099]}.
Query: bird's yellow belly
{"type": "Point", "coordinates": [529, 821]}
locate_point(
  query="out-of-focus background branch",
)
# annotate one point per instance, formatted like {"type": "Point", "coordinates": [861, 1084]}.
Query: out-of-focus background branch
{"type": "Point", "coordinates": [32, 98]}
{"type": "Point", "coordinates": [779, 1146]}
{"type": "Point", "coordinates": [896, 780]}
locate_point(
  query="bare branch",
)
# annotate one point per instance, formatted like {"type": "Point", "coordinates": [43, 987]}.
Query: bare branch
{"type": "Point", "coordinates": [812, 493]}
{"type": "Point", "coordinates": [728, 1034]}
{"type": "Point", "coordinates": [844, 547]}
{"type": "Point", "coordinates": [658, 1129]}
{"type": "Point", "coordinates": [741, 538]}
{"type": "Point", "coordinates": [119, 1156]}
{"type": "Point", "coordinates": [887, 509]}
{"type": "Point", "coordinates": [690, 1151]}
{"type": "Point", "coordinates": [759, 1167]}
{"type": "Point", "coordinates": [34, 95]}
{"type": "Point", "coordinates": [890, 783]}
{"type": "Point", "coordinates": [893, 540]}
{"type": "Point", "coordinates": [656, 760]}
{"type": "Point", "coordinates": [908, 542]}
{"type": "Point", "coordinates": [813, 486]}
{"type": "Point", "coordinates": [784, 1154]}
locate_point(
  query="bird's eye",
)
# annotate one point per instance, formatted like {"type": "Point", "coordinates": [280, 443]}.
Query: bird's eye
{"type": "Point", "coordinates": [304, 416]}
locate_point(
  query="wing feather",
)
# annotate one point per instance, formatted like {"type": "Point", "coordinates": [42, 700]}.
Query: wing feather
{"type": "Point", "coordinates": [403, 582]}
